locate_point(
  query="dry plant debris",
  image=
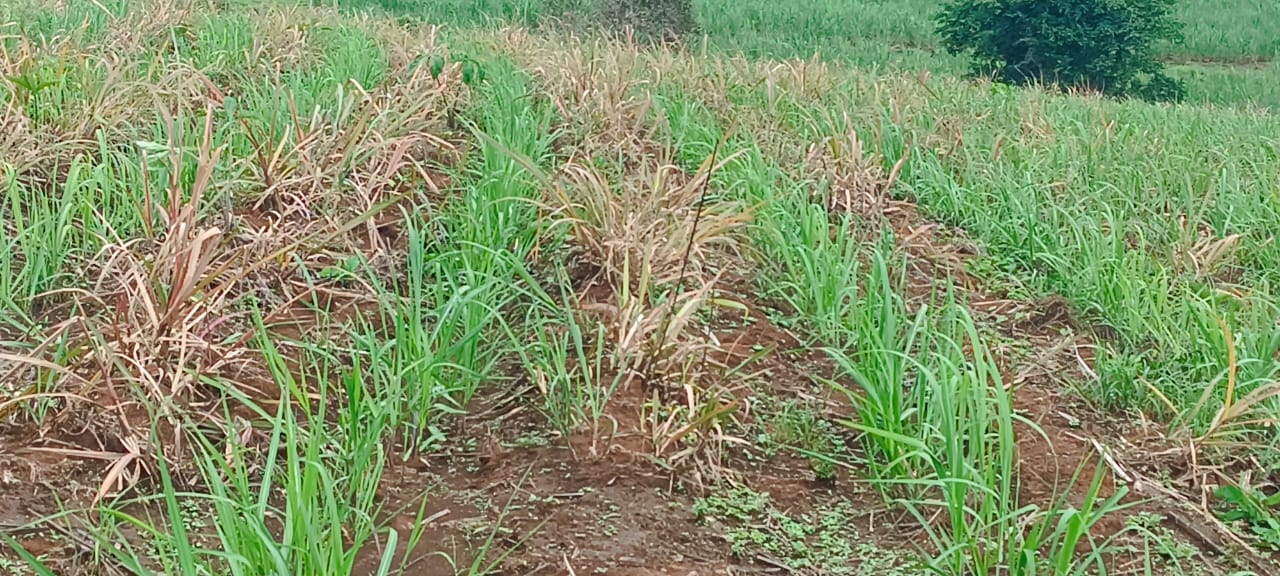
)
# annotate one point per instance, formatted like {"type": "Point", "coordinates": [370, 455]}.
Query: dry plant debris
{"type": "Point", "coordinates": [364, 294]}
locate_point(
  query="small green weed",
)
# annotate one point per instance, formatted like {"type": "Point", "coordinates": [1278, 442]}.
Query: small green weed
{"type": "Point", "coordinates": [13, 567]}
{"type": "Point", "coordinates": [1258, 512]}
{"type": "Point", "coordinates": [532, 439]}
{"type": "Point", "coordinates": [1164, 542]}
{"type": "Point", "coordinates": [1162, 550]}
{"type": "Point", "coordinates": [797, 427]}
{"type": "Point", "coordinates": [824, 540]}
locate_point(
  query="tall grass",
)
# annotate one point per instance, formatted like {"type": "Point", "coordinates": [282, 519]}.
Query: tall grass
{"type": "Point", "coordinates": [571, 364]}
{"type": "Point", "coordinates": [1156, 222]}
{"type": "Point", "coordinates": [499, 209]}
{"type": "Point", "coordinates": [954, 456]}
{"type": "Point", "coordinates": [223, 46]}
{"type": "Point", "coordinates": [306, 504]}
{"type": "Point", "coordinates": [84, 19]}
{"type": "Point", "coordinates": [441, 330]}
{"type": "Point", "coordinates": [50, 233]}
{"type": "Point", "coordinates": [460, 12]}
{"type": "Point", "coordinates": [936, 420]}
{"type": "Point", "coordinates": [899, 36]}
{"type": "Point", "coordinates": [1238, 30]}
{"type": "Point", "coordinates": [438, 336]}
{"type": "Point", "coordinates": [328, 477]}
{"type": "Point", "coordinates": [1155, 248]}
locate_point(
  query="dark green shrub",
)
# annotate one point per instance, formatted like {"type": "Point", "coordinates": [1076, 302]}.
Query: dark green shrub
{"type": "Point", "coordinates": [1102, 45]}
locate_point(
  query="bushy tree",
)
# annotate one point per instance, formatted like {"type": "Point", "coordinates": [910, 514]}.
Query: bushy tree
{"type": "Point", "coordinates": [1103, 45]}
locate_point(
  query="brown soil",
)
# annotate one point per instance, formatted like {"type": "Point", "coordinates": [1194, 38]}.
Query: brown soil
{"type": "Point", "coordinates": [550, 506]}
{"type": "Point", "coordinates": [527, 502]}
{"type": "Point", "coordinates": [1071, 439]}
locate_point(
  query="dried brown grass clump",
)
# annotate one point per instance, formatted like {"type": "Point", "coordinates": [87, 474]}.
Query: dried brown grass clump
{"type": "Point", "coordinates": [650, 240]}
{"type": "Point", "coordinates": [146, 25]}
{"type": "Point", "coordinates": [158, 320]}
{"type": "Point", "coordinates": [1206, 256]}
{"type": "Point", "coordinates": [651, 244]}
{"type": "Point", "coordinates": [138, 342]}
{"type": "Point", "coordinates": [855, 178]}
{"type": "Point", "coordinates": [377, 144]}
{"type": "Point", "coordinates": [605, 90]}
{"type": "Point", "coordinates": [660, 224]}
{"type": "Point", "coordinates": [67, 96]}
{"type": "Point", "coordinates": [603, 96]}
{"type": "Point", "coordinates": [379, 148]}
{"type": "Point", "coordinates": [282, 42]}
{"type": "Point", "coordinates": [657, 246]}
{"type": "Point", "coordinates": [143, 344]}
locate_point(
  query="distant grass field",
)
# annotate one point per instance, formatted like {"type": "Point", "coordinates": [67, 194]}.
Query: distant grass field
{"type": "Point", "coordinates": [1228, 57]}
{"type": "Point", "coordinates": [1230, 30]}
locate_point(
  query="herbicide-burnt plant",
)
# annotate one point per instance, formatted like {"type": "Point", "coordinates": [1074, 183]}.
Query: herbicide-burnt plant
{"type": "Point", "coordinates": [165, 296]}
{"type": "Point", "coordinates": [650, 241]}
{"type": "Point", "coordinates": [297, 496]}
